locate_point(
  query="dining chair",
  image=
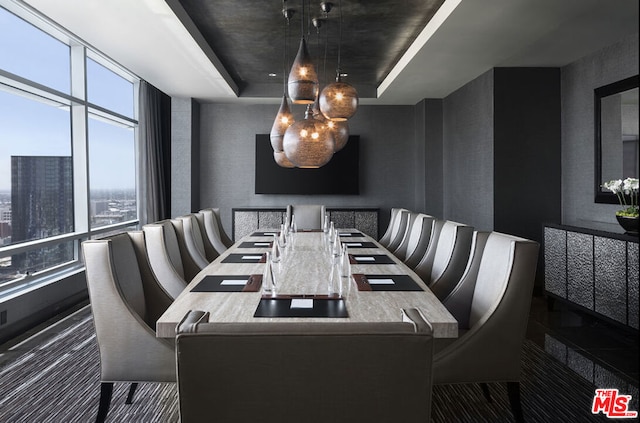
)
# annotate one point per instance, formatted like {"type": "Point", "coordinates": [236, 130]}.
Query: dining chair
{"type": "Point", "coordinates": [386, 237]}
{"type": "Point", "coordinates": [401, 250]}
{"type": "Point", "coordinates": [191, 245]}
{"type": "Point", "coordinates": [425, 246]}
{"type": "Point", "coordinates": [164, 255]}
{"type": "Point", "coordinates": [125, 304]}
{"type": "Point", "coordinates": [489, 346]}
{"type": "Point", "coordinates": [308, 216]}
{"type": "Point", "coordinates": [211, 236]}
{"type": "Point", "coordinates": [226, 241]}
{"type": "Point", "coordinates": [311, 372]}
{"type": "Point", "coordinates": [398, 230]}
{"type": "Point", "coordinates": [449, 259]}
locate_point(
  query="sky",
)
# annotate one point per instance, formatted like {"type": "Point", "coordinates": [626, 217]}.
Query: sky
{"type": "Point", "coordinates": [29, 127]}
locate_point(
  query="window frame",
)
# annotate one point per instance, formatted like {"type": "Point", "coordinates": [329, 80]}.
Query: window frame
{"type": "Point", "coordinates": [80, 111]}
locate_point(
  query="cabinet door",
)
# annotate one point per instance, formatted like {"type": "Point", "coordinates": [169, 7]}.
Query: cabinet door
{"type": "Point", "coordinates": [555, 261]}
{"type": "Point", "coordinates": [610, 274]}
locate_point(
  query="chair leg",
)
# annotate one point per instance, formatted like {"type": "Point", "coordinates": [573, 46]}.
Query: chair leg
{"type": "Point", "coordinates": [132, 391]}
{"type": "Point", "coordinates": [485, 392]}
{"type": "Point", "coordinates": [513, 390]}
{"type": "Point", "coordinates": [106, 389]}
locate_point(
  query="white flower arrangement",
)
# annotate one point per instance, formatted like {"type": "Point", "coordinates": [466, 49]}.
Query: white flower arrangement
{"type": "Point", "coordinates": [624, 189]}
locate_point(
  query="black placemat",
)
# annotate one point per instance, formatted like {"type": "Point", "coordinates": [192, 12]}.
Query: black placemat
{"type": "Point", "coordinates": [357, 244]}
{"type": "Point", "coordinates": [377, 259]}
{"type": "Point", "coordinates": [400, 283]}
{"type": "Point", "coordinates": [238, 258]}
{"type": "Point", "coordinates": [255, 244]}
{"type": "Point", "coordinates": [229, 283]}
{"type": "Point", "coordinates": [287, 306]}
{"type": "Point", "coordinates": [266, 233]}
{"type": "Point", "coordinates": [347, 235]}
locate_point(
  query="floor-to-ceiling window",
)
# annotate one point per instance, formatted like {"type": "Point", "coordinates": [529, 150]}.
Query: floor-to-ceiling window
{"type": "Point", "coordinates": [68, 125]}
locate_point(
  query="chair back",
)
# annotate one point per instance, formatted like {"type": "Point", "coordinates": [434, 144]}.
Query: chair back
{"type": "Point", "coordinates": [420, 245]}
{"type": "Point", "coordinates": [491, 348]}
{"type": "Point", "coordinates": [401, 251]}
{"type": "Point", "coordinates": [226, 241]}
{"type": "Point", "coordinates": [398, 230]}
{"type": "Point", "coordinates": [210, 230]}
{"type": "Point", "coordinates": [386, 238]}
{"type": "Point", "coordinates": [164, 255]}
{"type": "Point", "coordinates": [191, 244]}
{"type": "Point", "coordinates": [450, 259]}
{"type": "Point", "coordinates": [311, 372]}
{"type": "Point", "coordinates": [129, 349]}
{"type": "Point", "coordinates": [308, 216]}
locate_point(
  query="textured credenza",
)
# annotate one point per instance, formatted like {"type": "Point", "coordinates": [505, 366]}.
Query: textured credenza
{"type": "Point", "coordinates": [247, 220]}
{"type": "Point", "coordinates": [595, 269]}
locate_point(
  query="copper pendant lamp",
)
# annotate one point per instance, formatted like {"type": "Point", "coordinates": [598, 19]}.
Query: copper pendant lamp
{"type": "Point", "coordinates": [308, 143]}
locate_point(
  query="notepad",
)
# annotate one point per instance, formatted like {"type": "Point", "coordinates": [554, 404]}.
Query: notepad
{"type": "Point", "coordinates": [302, 303]}
{"type": "Point", "coordinates": [380, 281]}
{"type": "Point", "coordinates": [251, 257]}
{"type": "Point", "coordinates": [365, 258]}
{"type": "Point", "coordinates": [233, 282]}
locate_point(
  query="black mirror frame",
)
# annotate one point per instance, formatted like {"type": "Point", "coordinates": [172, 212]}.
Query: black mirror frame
{"type": "Point", "coordinates": [607, 90]}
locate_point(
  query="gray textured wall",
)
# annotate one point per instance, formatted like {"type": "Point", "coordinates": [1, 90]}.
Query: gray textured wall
{"type": "Point", "coordinates": [468, 154]}
{"type": "Point", "coordinates": [578, 80]}
{"type": "Point", "coordinates": [431, 113]}
{"type": "Point", "coordinates": [227, 155]}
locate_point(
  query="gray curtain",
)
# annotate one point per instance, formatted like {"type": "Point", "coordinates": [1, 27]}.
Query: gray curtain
{"type": "Point", "coordinates": [154, 160]}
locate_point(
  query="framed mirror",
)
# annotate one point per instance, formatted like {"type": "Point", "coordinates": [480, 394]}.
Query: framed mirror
{"type": "Point", "coordinates": [616, 135]}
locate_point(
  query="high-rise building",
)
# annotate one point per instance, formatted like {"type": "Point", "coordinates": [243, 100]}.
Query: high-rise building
{"type": "Point", "coordinates": [42, 206]}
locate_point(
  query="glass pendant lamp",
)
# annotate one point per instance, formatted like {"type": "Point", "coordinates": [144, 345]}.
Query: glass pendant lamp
{"type": "Point", "coordinates": [283, 120]}
{"type": "Point", "coordinates": [308, 143]}
{"type": "Point", "coordinates": [303, 79]}
{"type": "Point", "coordinates": [282, 160]}
{"type": "Point", "coordinates": [339, 100]}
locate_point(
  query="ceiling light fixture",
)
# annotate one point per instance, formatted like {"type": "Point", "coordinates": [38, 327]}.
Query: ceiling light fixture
{"type": "Point", "coordinates": [284, 118]}
{"type": "Point", "coordinates": [339, 100]}
{"type": "Point", "coordinates": [308, 143]}
{"type": "Point", "coordinates": [303, 79]}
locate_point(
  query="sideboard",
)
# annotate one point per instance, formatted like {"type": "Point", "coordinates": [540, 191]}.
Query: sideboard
{"type": "Point", "coordinates": [249, 219]}
{"type": "Point", "coordinates": [594, 269]}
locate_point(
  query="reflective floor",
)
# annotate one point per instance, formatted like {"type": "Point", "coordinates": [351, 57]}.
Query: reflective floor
{"type": "Point", "coordinates": [602, 353]}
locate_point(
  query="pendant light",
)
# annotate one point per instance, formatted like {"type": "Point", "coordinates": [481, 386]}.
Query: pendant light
{"type": "Point", "coordinates": [284, 118]}
{"type": "Point", "coordinates": [308, 143]}
{"type": "Point", "coordinates": [303, 79]}
{"type": "Point", "coordinates": [339, 129]}
{"type": "Point", "coordinates": [339, 100]}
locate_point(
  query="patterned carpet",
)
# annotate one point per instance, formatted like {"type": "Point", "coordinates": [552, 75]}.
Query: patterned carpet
{"type": "Point", "coordinates": [57, 380]}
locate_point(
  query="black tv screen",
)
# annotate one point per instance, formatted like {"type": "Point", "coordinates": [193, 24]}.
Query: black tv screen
{"type": "Point", "coordinates": [339, 176]}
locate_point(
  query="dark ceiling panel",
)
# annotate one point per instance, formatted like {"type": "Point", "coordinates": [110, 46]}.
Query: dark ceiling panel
{"type": "Point", "coordinates": [248, 38]}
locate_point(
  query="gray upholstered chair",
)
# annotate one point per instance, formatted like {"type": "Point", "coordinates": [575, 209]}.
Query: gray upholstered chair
{"type": "Point", "coordinates": [125, 304]}
{"type": "Point", "coordinates": [164, 255]}
{"type": "Point", "coordinates": [386, 238]}
{"type": "Point", "coordinates": [311, 372]}
{"type": "Point", "coordinates": [191, 245]}
{"type": "Point", "coordinates": [308, 216]}
{"type": "Point", "coordinates": [450, 259]}
{"type": "Point", "coordinates": [425, 244]}
{"type": "Point", "coordinates": [226, 241]}
{"type": "Point", "coordinates": [489, 347]}
{"type": "Point", "coordinates": [401, 250]}
{"type": "Point", "coordinates": [397, 231]}
{"type": "Point", "coordinates": [211, 236]}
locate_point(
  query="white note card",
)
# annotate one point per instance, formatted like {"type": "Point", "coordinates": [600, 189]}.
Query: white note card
{"type": "Point", "coordinates": [258, 244]}
{"type": "Point", "coordinates": [233, 282]}
{"type": "Point", "coordinates": [354, 244]}
{"type": "Point", "coordinates": [380, 281]}
{"type": "Point", "coordinates": [302, 303]}
{"type": "Point", "coordinates": [251, 257]}
{"type": "Point", "coordinates": [269, 233]}
{"type": "Point", "coordinates": [345, 234]}
{"type": "Point", "coordinates": [365, 258]}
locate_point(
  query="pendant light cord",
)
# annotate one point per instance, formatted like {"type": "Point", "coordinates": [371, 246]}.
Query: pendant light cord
{"type": "Point", "coordinates": [339, 37]}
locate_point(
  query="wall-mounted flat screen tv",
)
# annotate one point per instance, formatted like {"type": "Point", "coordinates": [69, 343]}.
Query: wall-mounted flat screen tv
{"type": "Point", "coordinates": [339, 176]}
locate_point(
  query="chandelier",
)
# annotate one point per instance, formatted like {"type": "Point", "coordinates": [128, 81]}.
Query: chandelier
{"type": "Point", "coordinates": [311, 142]}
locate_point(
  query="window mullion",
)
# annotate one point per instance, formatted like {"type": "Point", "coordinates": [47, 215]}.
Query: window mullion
{"type": "Point", "coordinates": [79, 136]}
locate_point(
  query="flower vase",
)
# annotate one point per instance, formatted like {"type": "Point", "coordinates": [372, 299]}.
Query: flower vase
{"type": "Point", "coordinates": [628, 223]}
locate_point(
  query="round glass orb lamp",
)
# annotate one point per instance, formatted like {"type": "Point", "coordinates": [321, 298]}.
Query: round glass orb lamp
{"type": "Point", "coordinates": [338, 100]}
{"type": "Point", "coordinates": [308, 143]}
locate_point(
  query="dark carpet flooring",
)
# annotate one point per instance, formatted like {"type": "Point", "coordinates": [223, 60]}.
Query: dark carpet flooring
{"type": "Point", "coordinates": [54, 377]}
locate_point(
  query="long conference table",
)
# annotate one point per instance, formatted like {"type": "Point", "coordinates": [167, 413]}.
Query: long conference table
{"type": "Point", "coordinates": [381, 285]}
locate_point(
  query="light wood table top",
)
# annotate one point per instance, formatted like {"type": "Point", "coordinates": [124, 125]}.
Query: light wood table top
{"type": "Point", "coordinates": [306, 270]}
